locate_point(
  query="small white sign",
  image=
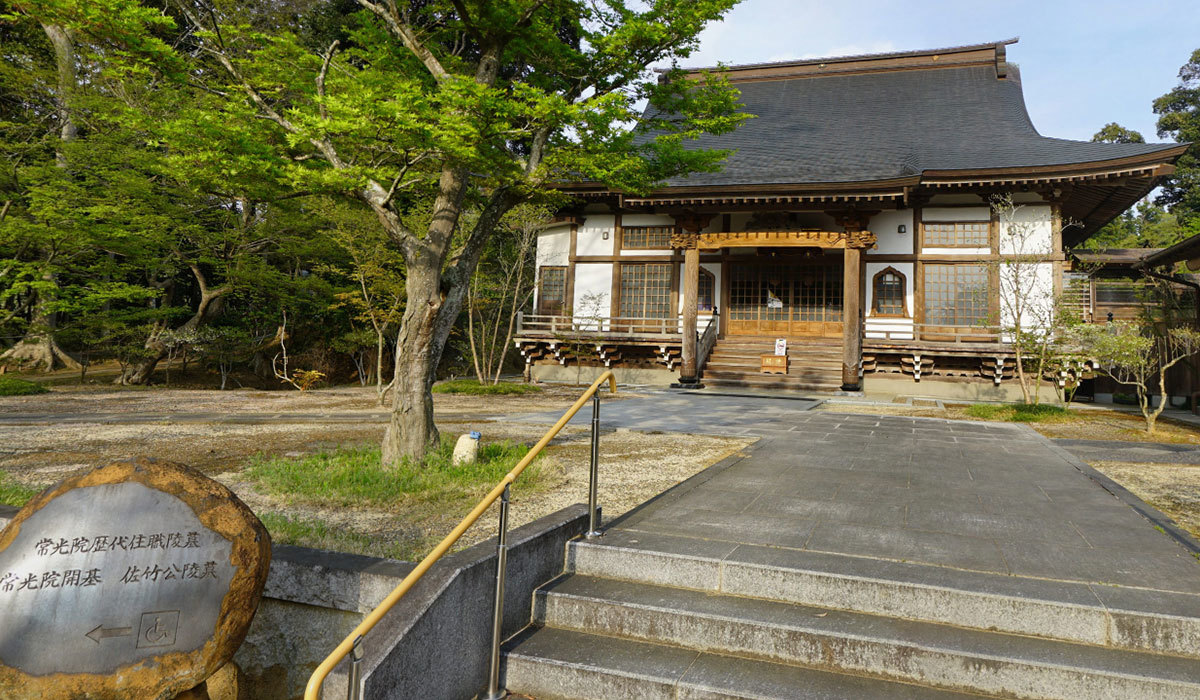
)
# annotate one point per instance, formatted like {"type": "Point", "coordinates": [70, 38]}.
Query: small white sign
{"type": "Point", "coordinates": [781, 346]}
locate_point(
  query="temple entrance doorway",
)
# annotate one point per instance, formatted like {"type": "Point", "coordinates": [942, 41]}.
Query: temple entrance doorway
{"type": "Point", "coordinates": [786, 296]}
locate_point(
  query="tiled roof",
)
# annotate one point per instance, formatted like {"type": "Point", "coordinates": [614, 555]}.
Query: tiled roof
{"type": "Point", "coordinates": [887, 125]}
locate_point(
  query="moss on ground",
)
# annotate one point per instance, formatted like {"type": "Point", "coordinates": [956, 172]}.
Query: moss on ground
{"type": "Point", "coordinates": [1019, 412]}
{"type": "Point", "coordinates": [474, 388]}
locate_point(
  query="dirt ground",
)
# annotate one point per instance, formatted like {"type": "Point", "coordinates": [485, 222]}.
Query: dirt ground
{"type": "Point", "coordinates": [1082, 423]}
{"type": "Point", "coordinates": [634, 466]}
{"type": "Point", "coordinates": [1172, 488]}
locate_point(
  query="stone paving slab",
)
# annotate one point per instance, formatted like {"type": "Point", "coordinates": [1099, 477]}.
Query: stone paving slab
{"type": "Point", "coordinates": [988, 497]}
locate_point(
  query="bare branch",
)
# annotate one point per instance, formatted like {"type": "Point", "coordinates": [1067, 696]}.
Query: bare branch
{"type": "Point", "coordinates": [321, 77]}
{"type": "Point", "coordinates": [408, 37]}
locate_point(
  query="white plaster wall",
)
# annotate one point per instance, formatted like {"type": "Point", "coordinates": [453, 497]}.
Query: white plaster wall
{"type": "Point", "coordinates": [875, 327]}
{"type": "Point", "coordinates": [589, 239]}
{"type": "Point", "coordinates": [1028, 231]}
{"type": "Point", "coordinates": [884, 226]}
{"type": "Point", "coordinates": [593, 279]}
{"type": "Point", "coordinates": [1037, 283]}
{"type": "Point", "coordinates": [554, 246]}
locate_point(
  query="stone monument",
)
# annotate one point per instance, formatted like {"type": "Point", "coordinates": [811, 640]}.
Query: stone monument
{"type": "Point", "coordinates": [135, 580]}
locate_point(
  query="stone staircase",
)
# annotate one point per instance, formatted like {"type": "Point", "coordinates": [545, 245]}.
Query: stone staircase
{"type": "Point", "coordinates": [640, 615]}
{"type": "Point", "coordinates": [814, 364]}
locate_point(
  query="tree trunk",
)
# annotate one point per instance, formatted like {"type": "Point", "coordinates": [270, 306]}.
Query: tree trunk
{"type": "Point", "coordinates": [209, 306]}
{"type": "Point", "coordinates": [38, 348]}
{"type": "Point", "coordinates": [411, 430]}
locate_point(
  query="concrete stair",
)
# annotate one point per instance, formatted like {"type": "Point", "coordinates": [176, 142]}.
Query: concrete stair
{"type": "Point", "coordinates": [640, 615]}
{"type": "Point", "coordinates": [814, 364]}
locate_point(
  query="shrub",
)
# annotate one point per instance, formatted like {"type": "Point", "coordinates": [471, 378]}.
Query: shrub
{"type": "Point", "coordinates": [12, 386]}
{"type": "Point", "coordinates": [1125, 399]}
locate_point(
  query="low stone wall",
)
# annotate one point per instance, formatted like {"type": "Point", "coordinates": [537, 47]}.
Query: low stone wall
{"type": "Point", "coordinates": [625, 375]}
{"type": "Point", "coordinates": [962, 389]}
{"type": "Point", "coordinates": [434, 644]}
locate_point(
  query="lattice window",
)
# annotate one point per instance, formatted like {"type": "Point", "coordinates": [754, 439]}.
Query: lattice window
{"type": "Point", "coordinates": [705, 290]}
{"type": "Point", "coordinates": [743, 292]}
{"type": "Point", "coordinates": [887, 293]}
{"type": "Point", "coordinates": [646, 237]}
{"type": "Point", "coordinates": [645, 291]}
{"type": "Point", "coordinates": [956, 295]}
{"type": "Point", "coordinates": [552, 290]}
{"type": "Point", "coordinates": [966, 234]}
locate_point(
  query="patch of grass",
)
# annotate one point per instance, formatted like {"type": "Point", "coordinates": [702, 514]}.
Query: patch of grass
{"type": "Point", "coordinates": [12, 386]}
{"type": "Point", "coordinates": [1019, 412]}
{"type": "Point", "coordinates": [474, 388]}
{"type": "Point", "coordinates": [14, 494]}
{"type": "Point", "coordinates": [355, 476]}
{"type": "Point", "coordinates": [310, 532]}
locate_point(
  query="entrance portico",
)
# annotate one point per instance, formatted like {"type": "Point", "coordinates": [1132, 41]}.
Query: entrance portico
{"type": "Point", "coordinates": [793, 286]}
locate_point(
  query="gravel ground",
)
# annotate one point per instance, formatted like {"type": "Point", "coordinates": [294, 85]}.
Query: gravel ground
{"type": "Point", "coordinates": [634, 466]}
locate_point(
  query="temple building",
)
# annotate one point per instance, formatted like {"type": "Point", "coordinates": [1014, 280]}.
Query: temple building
{"type": "Point", "coordinates": [853, 219]}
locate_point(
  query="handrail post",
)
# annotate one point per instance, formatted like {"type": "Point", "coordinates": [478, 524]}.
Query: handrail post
{"type": "Point", "coordinates": [354, 689]}
{"type": "Point", "coordinates": [495, 692]}
{"type": "Point", "coordinates": [593, 530]}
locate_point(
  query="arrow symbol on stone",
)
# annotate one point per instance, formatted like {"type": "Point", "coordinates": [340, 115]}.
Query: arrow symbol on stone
{"type": "Point", "coordinates": [100, 633]}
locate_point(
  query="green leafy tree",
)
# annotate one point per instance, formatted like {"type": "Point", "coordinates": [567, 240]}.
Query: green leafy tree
{"type": "Point", "coordinates": [1179, 119]}
{"type": "Point", "coordinates": [1113, 132]}
{"type": "Point", "coordinates": [467, 104]}
{"type": "Point", "coordinates": [1148, 225]}
{"type": "Point", "coordinates": [1138, 355]}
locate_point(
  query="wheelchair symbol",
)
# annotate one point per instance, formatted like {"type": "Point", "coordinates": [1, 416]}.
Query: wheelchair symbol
{"type": "Point", "coordinates": [158, 629]}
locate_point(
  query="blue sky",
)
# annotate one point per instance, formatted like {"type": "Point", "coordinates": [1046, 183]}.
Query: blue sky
{"type": "Point", "coordinates": [1083, 63]}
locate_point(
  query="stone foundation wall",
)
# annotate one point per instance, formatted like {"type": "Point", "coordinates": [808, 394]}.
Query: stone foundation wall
{"type": "Point", "coordinates": [587, 375]}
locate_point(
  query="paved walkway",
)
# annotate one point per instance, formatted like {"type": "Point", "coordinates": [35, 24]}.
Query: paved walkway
{"type": "Point", "coordinates": [1117, 451]}
{"type": "Point", "coordinates": [991, 497]}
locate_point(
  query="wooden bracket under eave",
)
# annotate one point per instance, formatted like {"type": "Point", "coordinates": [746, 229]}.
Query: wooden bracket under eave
{"type": "Point", "coordinates": [1001, 63]}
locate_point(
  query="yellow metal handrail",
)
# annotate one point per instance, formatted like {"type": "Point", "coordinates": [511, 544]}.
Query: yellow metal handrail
{"type": "Point", "coordinates": [317, 679]}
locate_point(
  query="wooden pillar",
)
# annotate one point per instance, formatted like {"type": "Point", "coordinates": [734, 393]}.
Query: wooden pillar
{"type": "Point", "coordinates": [691, 281]}
{"type": "Point", "coordinates": [687, 237]}
{"type": "Point", "coordinates": [852, 316]}
{"type": "Point", "coordinates": [852, 326]}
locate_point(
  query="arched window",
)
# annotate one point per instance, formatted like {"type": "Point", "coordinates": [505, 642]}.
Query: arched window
{"type": "Point", "coordinates": [704, 291]}
{"type": "Point", "coordinates": [887, 293]}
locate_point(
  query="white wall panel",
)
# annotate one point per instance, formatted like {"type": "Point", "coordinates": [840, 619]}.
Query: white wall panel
{"type": "Point", "coordinates": [589, 240]}
{"type": "Point", "coordinates": [554, 246]}
{"type": "Point", "coordinates": [885, 224]}
{"type": "Point", "coordinates": [593, 279]}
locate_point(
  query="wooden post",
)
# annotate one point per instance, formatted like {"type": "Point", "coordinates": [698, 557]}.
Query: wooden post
{"type": "Point", "coordinates": [691, 281]}
{"type": "Point", "coordinates": [858, 239]}
{"type": "Point", "coordinates": [852, 319]}
{"type": "Point", "coordinates": [687, 237]}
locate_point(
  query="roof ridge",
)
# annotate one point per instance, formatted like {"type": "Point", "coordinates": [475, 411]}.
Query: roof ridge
{"type": "Point", "coordinates": [853, 58]}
